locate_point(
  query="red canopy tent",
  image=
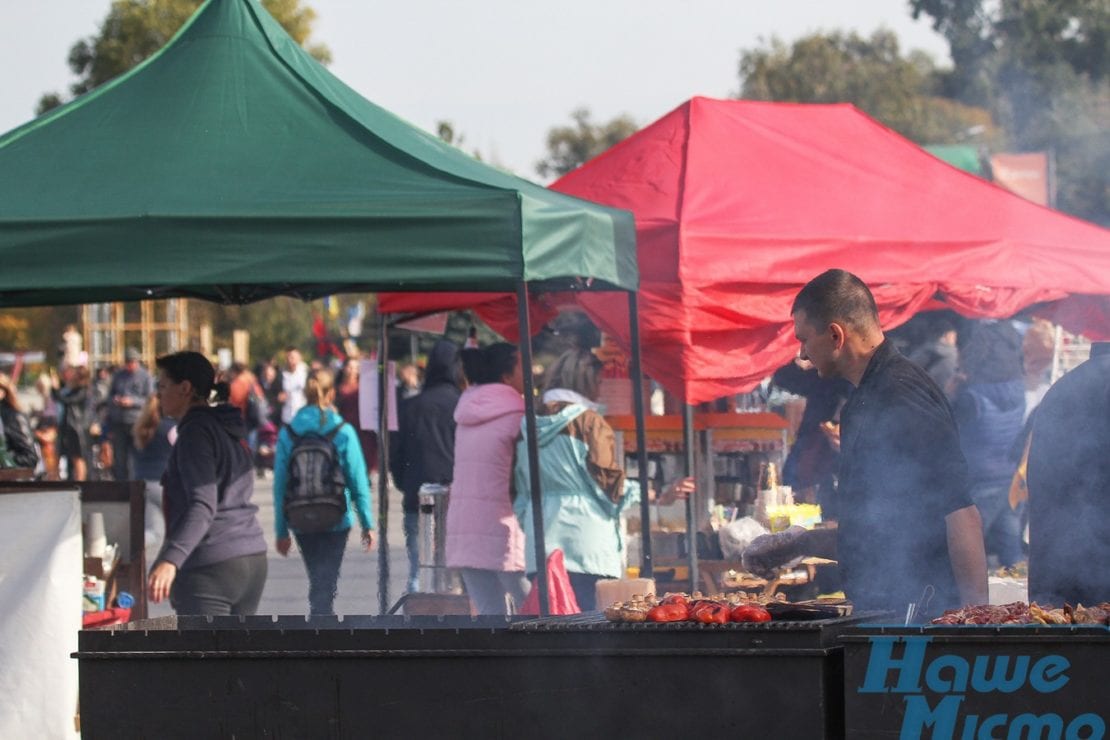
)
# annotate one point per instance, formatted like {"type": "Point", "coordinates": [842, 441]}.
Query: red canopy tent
{"type": "Point", "coordinates": [740, 203]}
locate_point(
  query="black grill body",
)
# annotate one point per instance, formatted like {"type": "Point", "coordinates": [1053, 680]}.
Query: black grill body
{"type": "Point", "coordinates": [408, 677]}
{"type": "Point", "coordinates": [1069, 695]}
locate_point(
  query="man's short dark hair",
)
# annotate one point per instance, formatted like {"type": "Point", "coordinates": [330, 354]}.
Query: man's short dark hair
{"type": "Point", "coordinates": [840, 296]}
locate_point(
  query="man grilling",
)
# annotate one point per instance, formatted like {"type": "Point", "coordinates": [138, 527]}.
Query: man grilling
{"type": "Point", "coordinates": [906, 519]}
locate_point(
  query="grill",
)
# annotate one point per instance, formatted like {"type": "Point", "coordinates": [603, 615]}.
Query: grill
{"type": "Point", "coordinates": [460, 677]}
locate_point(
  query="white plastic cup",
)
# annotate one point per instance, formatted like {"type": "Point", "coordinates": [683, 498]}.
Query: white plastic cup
{"type": "Point", "coordinates": [95, 540]}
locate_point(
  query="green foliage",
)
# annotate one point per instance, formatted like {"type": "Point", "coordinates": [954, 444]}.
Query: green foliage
{"type": "Point", "coordinates": [135, 29]}
{"type": "Point", "coordinates": [871, 73]}
{"type": "Point", "coordinates": [1041, 68]}
{"type": "Point", "coordinates": [36, 329]}
{"type": "Point", "coordinates": [568, 147]}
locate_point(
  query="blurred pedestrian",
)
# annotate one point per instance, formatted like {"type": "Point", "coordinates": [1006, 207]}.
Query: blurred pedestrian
{"type": "Point", "coordinates": [293, 379]}
{"type": "Point", "coordinates": [17, 443]}
{"type": "Point", "coordinates": [76, 416]}
{"type": "Point", "coordinates": [154, 436]}
{"type": "Point", "coordinates": [989, 408]}
{"type": "Point", "coordinates": [425, 449]}
{"type": "Point", "coordinates": [130, 388]}
{"type": "Point", "coordinates": [346, 402]}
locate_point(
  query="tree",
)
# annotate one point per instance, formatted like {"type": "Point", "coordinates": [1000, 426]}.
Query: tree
{"type": "Point", "coordinates": [871, 73]}
{"type": "Point", "coordinates": [1041, 67]}
{"type": "Point", "coordinates": [568, 147]}
{"type": "Point", "coordinates": [135, 29]}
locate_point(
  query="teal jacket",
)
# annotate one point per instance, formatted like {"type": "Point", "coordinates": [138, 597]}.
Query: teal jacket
{"type": "Point", "coordinates": [350, 455]}
{"type": "Point", "coordinates": [584, 490]}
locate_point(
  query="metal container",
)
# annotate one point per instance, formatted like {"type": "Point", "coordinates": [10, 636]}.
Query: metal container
{"type": "Point", "coordinates": [493, 677]}
{"type": "Point", "coordinates": [433, 576]}
{"type": "Point", "coordinates": [976, 681]}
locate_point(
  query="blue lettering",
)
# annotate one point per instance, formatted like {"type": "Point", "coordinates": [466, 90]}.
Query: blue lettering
{"type": "Point", "coordinates": [959, 669]}
{"type": "Point", "coordinates": [919, 716]}
{"type": "Point", "coordinates": [1090, 722]}
{"type": "Point", "coordinates": [970, 721]}
{"type": "Point", "coordinates": [1047, 674]}
{"type": "Point", "coordinates": [882, 661]}
{"type": "Point", "coordinates": [998, 680]}
{"type": "Point", "coordinates": [1045, 727]}
{"type": "Point", "coordinates": [986, 730]}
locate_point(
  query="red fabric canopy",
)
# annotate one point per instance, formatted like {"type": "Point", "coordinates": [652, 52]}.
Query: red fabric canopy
{"type": "Point", "coordinates": [738, 204]}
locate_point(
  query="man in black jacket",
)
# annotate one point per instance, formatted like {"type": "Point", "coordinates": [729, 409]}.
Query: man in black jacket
{"type": "Point", "coordinates": [425, 445]}
{"type": "Point", "coordinates": [906, 520]}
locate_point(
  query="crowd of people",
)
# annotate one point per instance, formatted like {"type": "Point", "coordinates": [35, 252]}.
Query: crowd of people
{"type": "Point", "coordinates": [914, 456]}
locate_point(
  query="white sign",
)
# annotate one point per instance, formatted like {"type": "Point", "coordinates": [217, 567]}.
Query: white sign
{"type": "Point", "coordinates": [368, 395]}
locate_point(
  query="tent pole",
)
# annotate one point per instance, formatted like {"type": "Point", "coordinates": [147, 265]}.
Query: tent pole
{"type": "Point", "coordinates": [636, 371]}
{"type": "Point", "coordinates": [691, 514]}
{"type": "Point", "coordinates": [383, 465]}
{"type": "Point", "coordinates": [533, 444]}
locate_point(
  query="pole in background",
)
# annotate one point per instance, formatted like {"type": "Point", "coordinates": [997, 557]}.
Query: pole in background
{"type": "Point", "coordinates": [637, 377]}
{"type": "Point", "coordinates": [383, 465]}
{"type": "Point", "coordinates": [691, 518]}
{"type": "Point", "coordinates": [533, 444]}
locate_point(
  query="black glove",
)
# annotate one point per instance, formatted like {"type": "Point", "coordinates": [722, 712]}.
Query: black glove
{"type": "Point", "coordinates": [770, 551]}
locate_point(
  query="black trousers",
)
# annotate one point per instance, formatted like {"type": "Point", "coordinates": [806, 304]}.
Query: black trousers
{"type": "Point", "coordinates": [229, 587]}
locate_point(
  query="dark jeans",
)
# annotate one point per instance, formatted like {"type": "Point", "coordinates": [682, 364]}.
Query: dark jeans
{"type": "Point", "coordinates": [1001, 524]}
{"type": "Point", "coordinates": [120, 437]}
{"type": "Point", "coordinates": [412, 545]}
{"type": "Point", "coordinates": [583, 585]}
{"type": "Point", "coordinates": [323, 555]}
{"type": "Point", "coordinates": [229, 587]}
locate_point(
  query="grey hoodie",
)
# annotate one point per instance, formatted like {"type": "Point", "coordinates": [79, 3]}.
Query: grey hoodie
{"type": "Point", "coordinates": [207, 487]}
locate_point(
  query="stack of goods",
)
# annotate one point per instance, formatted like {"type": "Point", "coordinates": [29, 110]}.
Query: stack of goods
{"type": "Point", "coordinates": [1019, 612]}
{"type": "Point", "coordinates": [719, 609]}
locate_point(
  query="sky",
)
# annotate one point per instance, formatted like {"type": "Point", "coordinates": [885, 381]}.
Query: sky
{"type": "Point", "coordinates": [502, 72]}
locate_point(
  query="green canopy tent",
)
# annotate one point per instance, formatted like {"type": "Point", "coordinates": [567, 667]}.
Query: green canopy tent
{"type": "Point", "coordinates": [233, 167]}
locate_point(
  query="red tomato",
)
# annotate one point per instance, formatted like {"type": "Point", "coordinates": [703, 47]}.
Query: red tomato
{"type": "Point", "coordinates": [750, 613]}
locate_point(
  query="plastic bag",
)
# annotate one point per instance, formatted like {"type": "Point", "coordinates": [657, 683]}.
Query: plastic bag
{"type": "Point", "coordinates": [737, 535]}
{"type": "Point", "coordinates": [560, 596]}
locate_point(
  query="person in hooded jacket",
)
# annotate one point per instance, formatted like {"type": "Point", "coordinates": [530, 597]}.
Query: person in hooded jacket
{"type": "Point", "coordinates": [425, 444]}
{"type": "Point", "coordinates": [990, 408]}
{"type": "Point", "coordinates": [484, 539]}
{"type": "Point", "coordinates": [323, 551]}
{"type": "Point", "coordinates": [17, 442]}
{"type": "Point", "coordinates": [581, 475]}
{"type": "Point", "coordinates": [213, 559]}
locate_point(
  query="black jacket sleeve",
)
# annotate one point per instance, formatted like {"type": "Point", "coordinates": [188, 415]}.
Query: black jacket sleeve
{"type": "Point", "coordinates": [21, 445]}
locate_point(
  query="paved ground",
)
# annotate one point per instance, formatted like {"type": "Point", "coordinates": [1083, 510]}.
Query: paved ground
{"type": "Point", "coordinates": [287, 584]}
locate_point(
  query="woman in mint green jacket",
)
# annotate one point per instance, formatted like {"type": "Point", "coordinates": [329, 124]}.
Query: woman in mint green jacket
{"type": "Point", "coordinates": [323, 551]}
{"type": "Point", "coordinates": [582, 477]}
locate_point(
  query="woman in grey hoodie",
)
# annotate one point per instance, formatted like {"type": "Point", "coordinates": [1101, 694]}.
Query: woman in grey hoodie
{"type": "Point", "coordinates": [213, 560]}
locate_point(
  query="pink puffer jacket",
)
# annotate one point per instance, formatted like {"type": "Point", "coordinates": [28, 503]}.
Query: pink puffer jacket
{"type": "Point", "coordinates": [482, 531]}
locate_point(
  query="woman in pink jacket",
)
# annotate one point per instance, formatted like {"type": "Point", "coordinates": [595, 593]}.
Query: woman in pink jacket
{"type": "Point", "coordinates": [484, 539]}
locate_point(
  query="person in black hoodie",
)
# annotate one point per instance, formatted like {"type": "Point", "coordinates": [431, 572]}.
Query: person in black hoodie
{"type": "Point", "coordinates": [213, 560]}
{"type": "Point", "coordinates": [425, 448]}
